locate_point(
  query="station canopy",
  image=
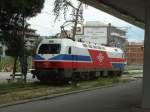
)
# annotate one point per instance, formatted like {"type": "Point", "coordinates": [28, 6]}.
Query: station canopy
{"type": "Point", "coordinates": [132, 11]}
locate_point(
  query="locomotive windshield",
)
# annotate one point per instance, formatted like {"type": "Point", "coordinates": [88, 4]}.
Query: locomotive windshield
{"type": "Point", "coordinates": [49, 49]}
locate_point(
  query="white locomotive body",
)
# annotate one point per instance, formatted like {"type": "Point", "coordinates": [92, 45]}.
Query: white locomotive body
{"type": "Point", "coordinates": [57, 58]}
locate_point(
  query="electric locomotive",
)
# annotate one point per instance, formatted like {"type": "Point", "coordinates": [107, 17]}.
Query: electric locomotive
{"type": "Point", "coordinates": [63, 58]}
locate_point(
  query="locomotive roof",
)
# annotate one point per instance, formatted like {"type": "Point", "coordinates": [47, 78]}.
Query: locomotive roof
{"type": "Point", "coordinates": [69, 42]}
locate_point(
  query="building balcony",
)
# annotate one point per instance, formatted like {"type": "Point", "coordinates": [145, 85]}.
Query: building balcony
{"type": "Point", "coordinates": [117, 35]}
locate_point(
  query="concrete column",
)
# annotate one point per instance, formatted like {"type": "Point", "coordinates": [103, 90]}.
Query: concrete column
{"type": "Point", "coordinates": [146, 80]}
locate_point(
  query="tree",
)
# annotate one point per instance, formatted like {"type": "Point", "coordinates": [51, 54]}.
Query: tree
{"type": "Point", "coordinates": [13, 17]}
{"type": "Point", "coordinates": [62, 5]}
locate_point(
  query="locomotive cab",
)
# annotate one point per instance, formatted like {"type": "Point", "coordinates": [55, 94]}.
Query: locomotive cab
{"type": "Point", "coordinates": [53, 47]}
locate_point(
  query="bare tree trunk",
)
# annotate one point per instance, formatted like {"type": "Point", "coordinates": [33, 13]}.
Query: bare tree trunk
{"type": "Point", "coordinates": [24, 66]}
{"type": "Point", "coordinates": [76, 21]}
{"type": "Point", "coordinates": [14, 67]}
{"type": "Point", "coordinates": [23, 57]}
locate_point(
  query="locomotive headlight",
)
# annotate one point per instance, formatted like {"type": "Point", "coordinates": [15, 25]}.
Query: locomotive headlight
{"type": "Point", "coordinates": [37, 64]}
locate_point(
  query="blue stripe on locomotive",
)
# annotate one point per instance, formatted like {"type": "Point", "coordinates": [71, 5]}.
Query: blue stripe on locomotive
{"type": "Point", "coordinates": [65, 57]}
{"type": "Point", "coordinates": [118, 65]}
{"type": "Point", "coordinates": [38, 57]}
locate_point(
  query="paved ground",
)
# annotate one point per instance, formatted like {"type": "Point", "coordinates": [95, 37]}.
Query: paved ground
{"type": "Point", "coordinates": [122, 98]}
{"type": "Point", "coordinates": [6, 75]}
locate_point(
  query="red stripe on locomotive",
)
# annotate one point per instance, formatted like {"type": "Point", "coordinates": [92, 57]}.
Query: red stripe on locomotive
{"type": "Point", "coordinates": [99, 60]}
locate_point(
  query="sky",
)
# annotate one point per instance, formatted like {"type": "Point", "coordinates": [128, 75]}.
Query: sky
{"type": "Point", "coordinates": [45, 25]}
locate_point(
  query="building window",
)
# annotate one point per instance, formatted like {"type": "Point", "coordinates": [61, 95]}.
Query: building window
{"type": "Point", "coordinates": [84, 45]}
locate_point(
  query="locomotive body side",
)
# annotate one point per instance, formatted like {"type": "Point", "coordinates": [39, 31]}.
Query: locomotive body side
{"type": "Point", "coordinates": [57, 58]}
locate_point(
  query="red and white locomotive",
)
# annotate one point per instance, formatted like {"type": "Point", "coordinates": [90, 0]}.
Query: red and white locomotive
{"type": "Point", "coordinates": [62, 58]}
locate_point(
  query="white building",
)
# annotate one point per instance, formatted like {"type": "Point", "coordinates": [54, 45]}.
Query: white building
{"type": "Point", "coordinates": [100, 33]}
{"type": "Point", "coordinates": [30, 38]}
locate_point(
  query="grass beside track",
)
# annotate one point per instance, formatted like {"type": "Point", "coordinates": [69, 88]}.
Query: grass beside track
{"type": "Point", "coordinates": [19, 91]}
{"type": "Point", "coordinates": [133, 72]}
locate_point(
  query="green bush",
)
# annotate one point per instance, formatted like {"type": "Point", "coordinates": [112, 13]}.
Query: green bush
{"type": "Point", "coordinates": [9, 61]}
{"type": "Point", "coordinates": [6, 61]}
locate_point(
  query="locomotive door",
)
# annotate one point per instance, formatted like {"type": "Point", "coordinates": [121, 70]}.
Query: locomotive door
{"type": "Point", "coordinates": [74, 57]}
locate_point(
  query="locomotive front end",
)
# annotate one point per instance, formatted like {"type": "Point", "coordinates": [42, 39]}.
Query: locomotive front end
{"type": "Point", "coordinates": [44, 63]}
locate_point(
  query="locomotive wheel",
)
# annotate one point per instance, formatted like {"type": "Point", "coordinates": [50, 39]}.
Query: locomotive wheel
{"type": "Point", "coordinates": [47, 79]}
{"type": "Point", "coordinates": [75, 78]}
{"type": "Point", "coordinates": [119, 73]}
{"type": "Point", "coordinates": [112, 73]}
{"type": "Point", "coordinates": [42, 78]}
{"type": "Point", "coordinates": [86, 75]}
{"type": "Point", "coordinates": [60, 80]}
{"type": "Point", "coordinates": [115, 73]}
{"type": "Point", "coordinates": [105, 73]}
{"type": "Point", "coordinates": [92, 75]}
